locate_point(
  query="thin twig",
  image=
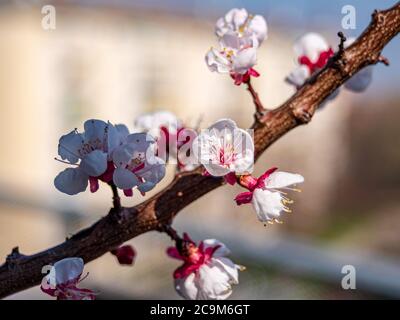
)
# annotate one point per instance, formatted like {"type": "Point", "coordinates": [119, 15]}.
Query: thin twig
{"type": "Point", "coordinates": [384, 60]}
{"type": "Point", "coordinates": [116, 198]}
{"type": "Point", "coordinates": [341, 44]}
{"type": "Point", "coordinates": [260, 110]}
{"type": "Point", "coordinates": [170, 231]}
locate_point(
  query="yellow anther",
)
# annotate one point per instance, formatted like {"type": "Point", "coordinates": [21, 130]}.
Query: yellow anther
{"type": "Point", "coordinates": [241, 268]}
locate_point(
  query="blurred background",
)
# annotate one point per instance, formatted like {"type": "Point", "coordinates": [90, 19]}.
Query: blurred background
{"type": "Point", "coordinates": [114, 60]}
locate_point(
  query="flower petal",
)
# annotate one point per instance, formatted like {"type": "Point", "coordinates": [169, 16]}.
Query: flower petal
{"type": "Point", "coordinates": [186, 287]}
{"type": "Point", "coordinates": [65, 270]}
{"type": "Point", "coordinates": [222, 248]}
{"type": "Point", "coordinates": [360, 81]}
{"type": "Point", "coordinates": [125, 179]}
{"type": "Point", "coordinates": [152, 122]}
{"type": "Point", "coordinates": [230, 40]}
{"type": "Point", "coordinates": [146, 186]}
{"type": "Point", "coordinates": [268, 205]}
{"type": "Point", "coordinates": [298, 76]}
{"type": "Point", "coordinates": [217, 62]}
{"type": "Point", "coordinates": [216, 170]}
{"type": "Point", "coordinates": [229, 267]}
{"type": "Point", "coordinates": [113, 138]}
{"type": "Point", "coordinates": [94, 163]}
{"type": "Point", "coordinates": [123, 154]}
{"type": "Point", "coordinates": [142, 145]}
{"type": "Point", "coordinates": [153, 171]}
{"type": "Point", "coordinates": [95, 130]}
{"type": "Point", "coordinates": [213, 283]}
{"type": "Point", "coordinates": [71, 181]}
{"type": "Point", "coordinates": [123, 131]}
{"type": "Point", "coordinates": [69, 145]}
{"type": "Point", "coordinates": [224, 124]}
{"type": "Point", "coordinates": [236, 17]}
{"type": "Point", "coordinates": [244, 149]}
{"type": "Point", "coordinates": [258, 26]}
{"type": "Point", "coordinates": [244, 60]}
{"type": "Point", "coordinates": [174, 253]}
{"type": "Point", "coordinates": [310, 45]}
{"type": "Point", "coordinates": [280, 179]}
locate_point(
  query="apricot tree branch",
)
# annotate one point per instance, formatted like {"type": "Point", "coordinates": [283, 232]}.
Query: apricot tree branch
{"type": "Point", "coordinates": [20, 272]}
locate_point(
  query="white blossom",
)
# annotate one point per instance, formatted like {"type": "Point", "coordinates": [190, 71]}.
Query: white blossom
{"type": "Point", "coordinates": [271, 199]}
{"type": "Point", "coordinates": [224, 148]}
{"type": "Point", "coordinates": [63, 278]}
{"type": "Point", "coordinates": [241, 23]}
{"type": "Point", "coordinates": [236, 56]}
{"type": "Point", "coordinates": [311, 52]}
{"type": "Point", "coordinates": [154, 122]}
{"type": "Point", "coordinates": [239, 36]}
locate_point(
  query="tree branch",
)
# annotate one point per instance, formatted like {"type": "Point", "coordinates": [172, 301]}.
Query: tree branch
{"type": "Point", "coordinates": [21, 272]}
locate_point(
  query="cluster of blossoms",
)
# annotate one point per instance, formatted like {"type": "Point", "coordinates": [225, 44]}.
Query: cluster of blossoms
{"type": "Point", "coordinates": [312, 53]}
{"type": "Point", "coordinates": [228, 151]}
{"type": "Point", "coordinates": [110, 154]}
{"type": "Point", "coordinates": [239, 36]}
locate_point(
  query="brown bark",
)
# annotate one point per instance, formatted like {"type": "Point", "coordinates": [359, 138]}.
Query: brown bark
{"type": "Point", "coordinates": [20, 272]}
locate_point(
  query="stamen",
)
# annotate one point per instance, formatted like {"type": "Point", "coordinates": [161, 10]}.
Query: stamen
{"type": "Point", "coordinates": [84, 277]}
{"type": "Point", "coordinates": [286, 201]}
{"type": "Point", "coordinates": [66, 162]}
{"type": "Point", "coordinates": [240, 267]}
{"type": "Point", "coordinates": [286, 209]}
